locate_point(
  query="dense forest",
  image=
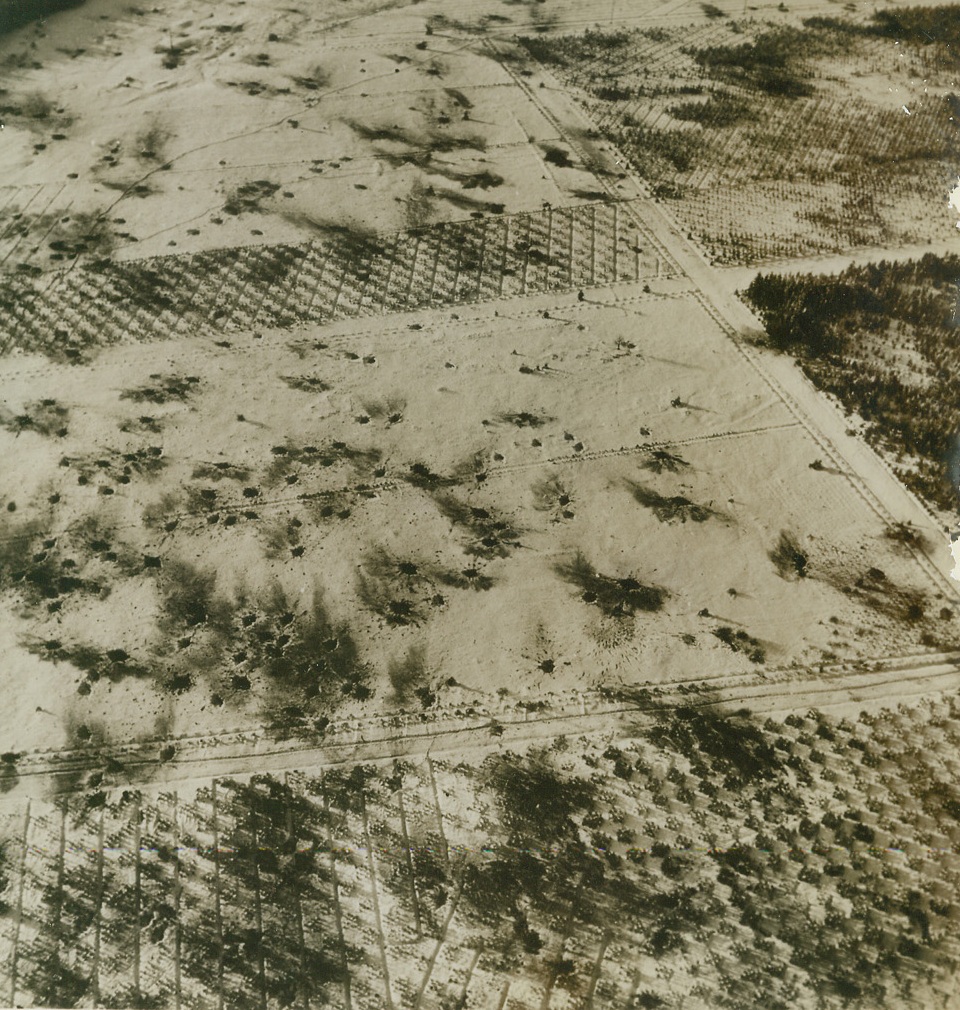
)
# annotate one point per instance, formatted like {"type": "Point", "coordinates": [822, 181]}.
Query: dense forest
{"type": "Point", "coordinates": [883, 339]}
{"type": "Point", "coordinates": [14, 13]}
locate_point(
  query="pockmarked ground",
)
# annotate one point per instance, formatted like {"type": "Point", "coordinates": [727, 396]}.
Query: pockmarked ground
{"type": "Point", "coordinates": [713, 859]}
{"type": "Point", "coordinates": [218, 534]}
{"type": "Point", "coordinates": [420, 587]}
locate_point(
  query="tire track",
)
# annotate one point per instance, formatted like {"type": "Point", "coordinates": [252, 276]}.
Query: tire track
{"type": "Point", "coordinates": [253, 750]}
{"type": "Point", "coordinates": [364, 488]}
{"type": "Point", "coordinates": [572, 699]}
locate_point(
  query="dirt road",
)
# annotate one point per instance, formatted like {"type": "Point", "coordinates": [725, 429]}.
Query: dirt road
{"type": "Point", "coordinates": [483, 727]}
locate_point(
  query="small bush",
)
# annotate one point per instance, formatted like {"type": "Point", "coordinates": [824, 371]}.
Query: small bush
{"type": "Point", "coordinates": [660, 459]}
{"type": "Point", "coordinates": [740, 641]}
{"type": "Point", "coordinates": [557, 156]}
{"type": "Point", "coordinates": [246, 198]}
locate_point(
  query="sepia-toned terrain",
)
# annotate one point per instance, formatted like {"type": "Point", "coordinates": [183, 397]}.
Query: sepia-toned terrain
{"type": "Point", "coordinates": [477, 485]}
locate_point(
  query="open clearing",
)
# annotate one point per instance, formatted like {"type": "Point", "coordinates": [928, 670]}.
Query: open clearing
{"type": "Point", "coordinates": [621, 440]}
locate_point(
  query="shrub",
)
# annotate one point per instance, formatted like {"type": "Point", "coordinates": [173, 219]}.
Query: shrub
{"type": "Point", "coordinates": [162, 389]}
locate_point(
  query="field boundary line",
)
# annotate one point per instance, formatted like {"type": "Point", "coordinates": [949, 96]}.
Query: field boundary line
{"type": "Point", "coordinates": [21, 883]}
{"type": "Point", "coordinates": [337, 906]}
{"type": "Point", "coordinates": [436, 803]}
{"type": "Point", "coordinates": [715, 308]}
{"type": "Point", "coordinates": [98, 910]}
{"type": "Point", "coordinates": [258, 907]}
{"type": "Point", "coordinates": [375, 897]}
{"type": "Point", "coordinates": [840, 670]}
{"type": "Point", "coordinates": [597, 970]}
{"type": "Point", "coordinates": [217, 900]}
{"type": "Point", "coordinates": [137, 895]}
{"type": "Point", "coordinates": [177, 895]}
{"type": "Point", "coordinates": [441, 940]}
{"type": "Point", "coordinates": [517, 726]}
{"type": "Point", "coordinates": [408, 860]}
{"type": "Point", "coordinates": [564, 938]}
{"type": "Point", "coordinates": [292, 834]}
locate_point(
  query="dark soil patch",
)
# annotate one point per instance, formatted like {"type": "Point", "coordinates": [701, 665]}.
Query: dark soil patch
{"type": "Point", "coordinates": [614, 597]}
